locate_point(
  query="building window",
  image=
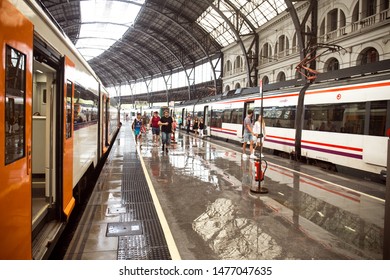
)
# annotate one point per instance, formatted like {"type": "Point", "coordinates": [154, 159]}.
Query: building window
{"type": "Point", "coordinates": [369, 55]}
{"type": "Point", "coordinates": [265, 80]}
{"type": "Point", "coordinates": [265, 53]}
{"type": "Point", "coordinates": [331, 65]}
{"type": "Point", "coordinates": [281, 77]}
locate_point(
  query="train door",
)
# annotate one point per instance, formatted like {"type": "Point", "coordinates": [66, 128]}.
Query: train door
{"type": "Point", "coordinates": [206, 119]}
{"type": "Point", "coordinates": [16, 33]}
{"type": "Point", "coordinates": [66, 196]}
{"type": "Point", "coordinates": [247, 106]}
{"type": "Point", "coordinates": [43, 145]}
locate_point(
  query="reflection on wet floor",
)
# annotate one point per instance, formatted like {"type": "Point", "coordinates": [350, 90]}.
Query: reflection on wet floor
{"type": "Point", "coordinates": [204, 190]}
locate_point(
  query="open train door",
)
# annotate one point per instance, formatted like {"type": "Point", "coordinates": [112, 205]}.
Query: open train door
{"type": "Point", "coordinates": [247, 106]}
{"type": "Point", "coordinates": [16, 56]}
{"type": "Point", "coordinates": [68, 201]}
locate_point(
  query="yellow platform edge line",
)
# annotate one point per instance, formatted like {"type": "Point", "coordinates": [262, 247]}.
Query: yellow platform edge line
{"type": "Point", "coordinates": [164, 224]}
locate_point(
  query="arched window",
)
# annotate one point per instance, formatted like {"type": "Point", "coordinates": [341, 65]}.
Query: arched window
{"type": "Point", "coordinates": [265, 80]}
{"type": "Point", "coordinates": [368, 55]}
{"type": "Point", "coordinates": [282, 46]}
{"type": "Point", "coordinates": [384, 5]}
{"type": "Point", "coordinates": [228, 67]}
{"type": "Point", "coordinates": [295, 43]}
{"type": "Point", "coordinates": [368, 8]}
{"type": "Point", "coordinates": [331, 65]}
{"type": "Point", "coordinates": [281, 77]}
{"type": "Point", "coordinates": [237, 86]}
{"type": "Point", "coordinates": [333, 25]}
{"type": "Point", "coordinates": [227, 88]}
{"type": "Point", "coordinates": [265, 53]}
{"type": "Point", "coordinates": [238, 62]}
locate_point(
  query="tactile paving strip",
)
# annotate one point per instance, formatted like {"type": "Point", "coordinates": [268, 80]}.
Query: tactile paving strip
{"type": "Point", "coordinates": [151, 244]}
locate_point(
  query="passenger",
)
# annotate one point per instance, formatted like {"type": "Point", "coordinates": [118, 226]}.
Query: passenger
{"type": "Point", "coordinates": [248, 135]}
{"type": "Point", "coordinates": [195, 127]}
{"type": "Point", "coordinates": [166, 130]}
{"type": "Point", "coordinates": [145, 120]}
{"type": "Point", "coordinates": [310, 125]}
{"type": "Point", "coordinates": [174, 126]}
{"type": "Point", "coordinates": [201, 127]}
{"type": "Point", "coordinates": [155, 128]}
{"type": "Point", "coordinates": [259, 130]}
{"type": "Point", "coordinates": [180, 121]}
{"type": "Point", "coordinates": [136, 126]}
{"type": "Point", "coordinates": [322, 127]}
{"type": "Point", "coordinates": [188, 123]}
{"type": "Point", "coordinates": [331, 127]}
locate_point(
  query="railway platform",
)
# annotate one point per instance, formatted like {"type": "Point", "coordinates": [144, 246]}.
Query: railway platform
{"type": "Point", "coordinates": [196, 202]}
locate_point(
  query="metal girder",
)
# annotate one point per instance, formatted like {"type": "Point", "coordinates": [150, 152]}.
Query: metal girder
{"type": "Point", "coordinates": [190, 35]}
{"type": "Point", "coordinates": [144, 56]}
{"type": "Point", "coordinates": [238, 38]}
{"type": "Point", "coordinates": [301, 97]}
{"type": "Point", "coordinates": [252, 71]}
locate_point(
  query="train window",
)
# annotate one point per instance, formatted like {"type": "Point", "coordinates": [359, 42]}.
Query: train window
{"type": "Point", "coordinates": [69, 87]}
{"type": "Point", "coordinates": [226, 118]}
{"type": "Point", "coordinates": [85, 107]}
{"type": "Point", "coordinates": [378, 112]}
{"type": "Point", "coordinates": [237, 116]}
{"type": "Point", "coordinates": [344, 118]}
{"type": "Point", "coordinates": [15, 105]}
{"type": "Point", "coordinates": [216, 118]}
{"type": "Point", "coordinates": [279, 116]}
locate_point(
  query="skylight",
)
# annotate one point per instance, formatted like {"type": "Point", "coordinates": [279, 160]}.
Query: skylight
{"type": "Point", "coordinates": [257, 12]}
{"type": "Point", "coordinates": [103, 22]}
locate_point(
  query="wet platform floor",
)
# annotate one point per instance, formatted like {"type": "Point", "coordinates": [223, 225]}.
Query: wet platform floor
{"type": "Point", "coordinates": [208, 211]}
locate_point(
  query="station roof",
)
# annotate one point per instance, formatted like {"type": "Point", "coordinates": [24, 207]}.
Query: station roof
{"type": "Point", "coordinates": [163, 36]}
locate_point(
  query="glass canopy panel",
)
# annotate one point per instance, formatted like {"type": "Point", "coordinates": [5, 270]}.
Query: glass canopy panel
{"type": "Point", "coordinates": [258, 12]}
{"type": "Point", "coordinates": [103, 22]}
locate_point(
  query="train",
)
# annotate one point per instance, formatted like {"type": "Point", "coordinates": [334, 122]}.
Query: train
{"type": "Point", "coordinates": [345, 120]}
{"type": "Point", "coordinates": [58, 124]}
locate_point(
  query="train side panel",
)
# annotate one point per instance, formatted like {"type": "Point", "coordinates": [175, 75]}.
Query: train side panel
{"type": "Point", "coordinates": [16, 37]}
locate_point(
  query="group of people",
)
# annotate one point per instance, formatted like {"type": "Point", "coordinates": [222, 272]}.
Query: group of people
{"type": "Point", "coordinates": [253, 133]}
{"type": "Point", "coordinates": [197, 126]}
{"type": "Point", "coordinates": [165, 124]}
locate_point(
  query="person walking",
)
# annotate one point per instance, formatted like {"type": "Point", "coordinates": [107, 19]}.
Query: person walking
{"type": "Point", "coordinates": [136, 126]}
{"type": "Point", "coordinates": [145, 120]}
{"type": "Point", "coordinates": [155, 128]}
{"type": "Point", "coordinates": [166, 130]}
{"type": "Point", "coordinates": [188, 123]}
{"type": "Point", "coordinates": [248, 135]}
{"type": "Point", "coordinates": [201, 127]}
{"type": "Point", "coordinates": [195, 127]}
{"type": "Point", "coordinates": [259, 131]}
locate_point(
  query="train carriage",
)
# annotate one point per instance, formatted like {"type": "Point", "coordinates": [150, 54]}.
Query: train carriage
{"type": "Point", "coordinates": [344, 121]}
{"type": "Point", "coordinates": [57, 124]}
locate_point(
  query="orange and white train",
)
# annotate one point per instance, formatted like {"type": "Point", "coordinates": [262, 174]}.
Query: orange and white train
{"type": "Point", "coordinates": [57, 124]}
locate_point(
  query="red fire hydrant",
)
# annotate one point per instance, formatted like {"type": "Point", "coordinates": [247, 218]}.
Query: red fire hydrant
{"type": "Point", "coordinates": [259, 175]}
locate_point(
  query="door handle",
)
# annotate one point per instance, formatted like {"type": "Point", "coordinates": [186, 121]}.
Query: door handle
{"type": "Point", "coordinates": [28, 159]}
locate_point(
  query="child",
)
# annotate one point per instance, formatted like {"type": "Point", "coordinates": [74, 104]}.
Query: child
{"type": "Point", "coordinates": [136, 126]}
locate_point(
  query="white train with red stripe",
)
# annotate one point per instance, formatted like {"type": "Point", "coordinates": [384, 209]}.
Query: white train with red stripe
{"type": "Point", "coordinates": [344, 123]}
